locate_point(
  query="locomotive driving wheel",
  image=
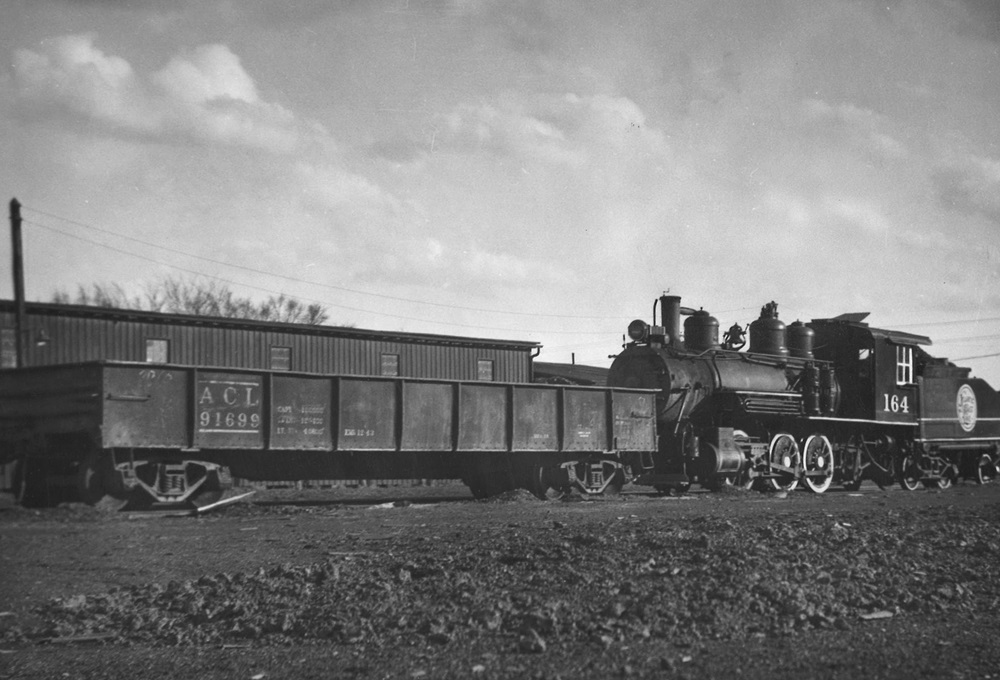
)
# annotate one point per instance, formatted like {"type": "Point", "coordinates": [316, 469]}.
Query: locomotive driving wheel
{"type": "Point", "coordinates": [817, 460]}
{"type": "Point", "coordinates": [784, 458]}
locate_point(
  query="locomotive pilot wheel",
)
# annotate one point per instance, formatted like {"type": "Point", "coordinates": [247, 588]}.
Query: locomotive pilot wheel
{"type": "Point", "coordinates": [817, 460]}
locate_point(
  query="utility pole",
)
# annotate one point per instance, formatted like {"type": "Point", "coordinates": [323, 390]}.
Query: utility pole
{"type": "Point", "coordinates": [20, 323]}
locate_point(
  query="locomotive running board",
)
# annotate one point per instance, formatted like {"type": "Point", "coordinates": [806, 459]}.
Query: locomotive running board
{"type": "Point", "coordinates": [866, 421]}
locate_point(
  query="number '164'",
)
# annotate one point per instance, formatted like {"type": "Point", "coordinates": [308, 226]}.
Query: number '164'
{"type": "Point", "coordinates": [896, 404]}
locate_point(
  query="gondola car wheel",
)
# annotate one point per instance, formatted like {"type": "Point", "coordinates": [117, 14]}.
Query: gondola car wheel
{"type": "Point", "coordinates": [616, 484]}
{"type": "Point", "coordinates": [90, 477]}
{"type": "Point", "coordinates": [30, 490]}
{"type": "Point", "coordinates": [210, 492]}
{"type": "Point", "coordinates": [817, 455]}
{"type": "Point", "coordinates": [477, 488]}
{"type": "Point", "coordinates": [540, 483]}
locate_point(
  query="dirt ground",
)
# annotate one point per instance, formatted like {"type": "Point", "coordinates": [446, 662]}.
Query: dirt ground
{"type": "Point", "coordinates": [429, 583]}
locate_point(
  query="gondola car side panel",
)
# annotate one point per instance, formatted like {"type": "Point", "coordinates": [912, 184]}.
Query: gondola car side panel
{"type": "Point", "coordinates": [229, 410]}
{"type": "Point", "coordinates": [367, 414]}
{"type": "Point", "coordinates": [633, 421]}
{"type": "Point", "coordinates": [535, 419]}
{"type": "Point", "coordinates": [300, 413]}
{"type": "Point", "coordinates": [428, 416]}
{"type": "Point", "coordinates": [585, 420]}
{"type": "Point", "coordinates": [482, 420]}
{"type": "Point", "coordinates": [146, 407]}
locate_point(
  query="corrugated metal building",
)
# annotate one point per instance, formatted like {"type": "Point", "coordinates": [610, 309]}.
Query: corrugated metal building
{"type": "Point", "coordinates": [61, 334]}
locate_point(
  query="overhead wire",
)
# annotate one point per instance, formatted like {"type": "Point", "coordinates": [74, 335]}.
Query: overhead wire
{"type": "Point", "coordinates": [303, 281]}
{"type": "Point", "coordinates": [981, 356]}
{"type": "Point", "coordinates": [307, 299]}
{"type": "Point", "coordinates": [345, 289]}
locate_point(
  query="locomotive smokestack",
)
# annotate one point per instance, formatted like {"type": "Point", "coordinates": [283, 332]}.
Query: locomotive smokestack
{"type": "Point", "coordinates": [670, 310]}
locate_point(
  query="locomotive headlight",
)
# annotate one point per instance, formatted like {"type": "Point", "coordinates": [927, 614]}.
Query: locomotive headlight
{"type": "Point", "coordinates": [638, 330]}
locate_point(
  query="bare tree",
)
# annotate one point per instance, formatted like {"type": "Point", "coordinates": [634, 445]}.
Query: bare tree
{"type": "Point", "coordinates": [200, 297]}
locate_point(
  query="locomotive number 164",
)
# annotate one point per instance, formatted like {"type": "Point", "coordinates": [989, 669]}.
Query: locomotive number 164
{"type": "Point", "coordinates": [896, 404]}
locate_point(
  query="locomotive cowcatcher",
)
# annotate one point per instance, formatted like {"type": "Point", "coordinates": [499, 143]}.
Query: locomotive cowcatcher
{"type": "Point", "coordinates": [832, 401]}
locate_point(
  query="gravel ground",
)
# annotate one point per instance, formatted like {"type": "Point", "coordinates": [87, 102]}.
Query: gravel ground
{"type": "Point", "coordinates": [426, 582]}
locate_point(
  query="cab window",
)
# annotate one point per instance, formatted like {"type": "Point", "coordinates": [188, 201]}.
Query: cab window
{"type": "Point", "coordinates": [904, 365]}
{"type": "Point", "coordinates": [864, 367]}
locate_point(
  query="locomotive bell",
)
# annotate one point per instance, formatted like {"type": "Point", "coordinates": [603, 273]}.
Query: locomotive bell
{"type": "Point", "coordinates": [701, 332]}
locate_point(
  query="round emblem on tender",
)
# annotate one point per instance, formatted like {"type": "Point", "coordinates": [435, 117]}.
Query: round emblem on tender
{"type": "Point", "coordinates": [965, 406]}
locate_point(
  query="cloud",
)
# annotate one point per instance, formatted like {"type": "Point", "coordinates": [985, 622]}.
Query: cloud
{"type": "Point", "coordinates": [72, 77]}
{"type": "Point", "coordinates": [209, 72]}
{"type": "Point", "coordinates": [329, 189]}
{"type": "Point", "coordinates": [373, 235]}
{"type": "Point", "coordinates": [970, 185]}
{"type": "Point", "coordinates": [205, 96]}
{"type": "Point", "coordinates": [863, 127]}
{"type": "Point", "coordinates": [567, 129]}
{"type": "Point", "coordinates": [507, 130]}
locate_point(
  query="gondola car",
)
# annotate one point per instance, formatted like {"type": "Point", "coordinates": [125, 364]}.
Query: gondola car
{"type": "Point", "coordinates": [159, 408]}
{"type": "Point", "coordinates": [829, 401]}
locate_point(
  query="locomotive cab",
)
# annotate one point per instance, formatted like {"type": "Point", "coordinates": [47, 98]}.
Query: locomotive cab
{"type": "Point", "coordinates": [878, 369]}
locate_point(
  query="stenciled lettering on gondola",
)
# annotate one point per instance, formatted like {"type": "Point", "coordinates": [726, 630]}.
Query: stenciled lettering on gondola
{"type": "Point", "coordinates": [153, 375]}
{"type": "Point", "coordinates": [228, 405]}
{"type": "Point", "coordinates": [309, 420]}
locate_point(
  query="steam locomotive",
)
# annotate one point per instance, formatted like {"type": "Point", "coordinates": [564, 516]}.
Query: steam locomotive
{"type": "Point", "coordinates": [834, 401]}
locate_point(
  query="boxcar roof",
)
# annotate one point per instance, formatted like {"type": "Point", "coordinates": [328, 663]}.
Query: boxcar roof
{"type": "Point", "coordinates": [111, 314]}
{"type": "Point", "coordinates": [571, 373]}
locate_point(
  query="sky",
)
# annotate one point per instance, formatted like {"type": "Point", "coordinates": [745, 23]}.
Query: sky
{"type": "Point", "coordinates": [526, 170]}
